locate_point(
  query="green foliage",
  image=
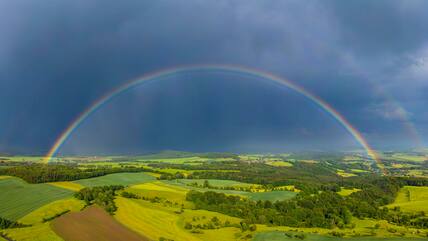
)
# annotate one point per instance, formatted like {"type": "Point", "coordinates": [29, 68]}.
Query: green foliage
{"type": "Point", "coordinates": [47, 219]}
{"type": "Point", "coordinates": [326, 209]}
{"type": "Point", "coordinates": [5, 223]}
{"type": "Point", "coordinates": [102, 196]}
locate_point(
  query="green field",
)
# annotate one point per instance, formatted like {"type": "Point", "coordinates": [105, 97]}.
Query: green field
{"type": "Point", "coordinates": [271, 196]}
{"type": "Point", "coordinates": [412, 199]}
{"type": "Point", "coordinates": [18, 198]}
{"type": "Point", "coordinates": [280, 236]}
{"type": "Point", "coordinates": [346, 192]}
{"type": "Point", "coordinates": [116, 179]}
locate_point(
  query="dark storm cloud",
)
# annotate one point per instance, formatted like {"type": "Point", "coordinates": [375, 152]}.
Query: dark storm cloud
{"type": "Point", "coordinates": [56, 57]}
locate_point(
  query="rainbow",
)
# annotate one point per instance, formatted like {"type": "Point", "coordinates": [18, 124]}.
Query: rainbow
{"type": "Point", "coordinates": [211, 67]}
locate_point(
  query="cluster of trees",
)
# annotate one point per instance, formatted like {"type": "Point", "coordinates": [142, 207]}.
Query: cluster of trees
{"type": "Point", "coordinates": [170, 176]}
{"type": "Point", "coordinates": [102, 196]}
{"type": "Point", "coordinates": [417, 220]}
{"type": "Point", "coordinates": [40, 173]}
{"type": "Point", "coordinates": [216, 223]}
{"type": "Point", "coordinates": [5, 223]}
{"type": "Point", "coordinates": [326, 209]}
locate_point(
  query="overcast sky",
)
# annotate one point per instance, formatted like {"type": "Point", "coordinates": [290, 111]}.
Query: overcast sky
{"type": "Point", "coordinates": [368, 59]}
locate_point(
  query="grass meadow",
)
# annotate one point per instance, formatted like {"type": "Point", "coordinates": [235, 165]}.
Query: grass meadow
{"type": "Point", "coordinates": [412, 199]}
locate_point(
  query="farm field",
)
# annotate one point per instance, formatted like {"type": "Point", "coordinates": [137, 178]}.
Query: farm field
{"type": "Point", "coordinates": [412, 199]}
{"type": "Point", "coordinates": [40, 232]}
{"type": "Point", "coordinates": [116, 179]}
{"type": "Point", "coordinates": [93, 223]}
{"type": "Point", "coordinates": [279, 163]}
{"type": "Point", "coordinates": [346, 191]}
{"type": "Point", "coordinates": [67, 185]}
{"type": "Point", "coordinates": [161, 190]}
{"type": "Point", "coordinates": [51, 209]}
{"type": "Point", "coordinates": [19, 198]}
{"type": "Point", "coordinates": [156, 221]}
{"type": "Point", "coordinates": [272, 196]}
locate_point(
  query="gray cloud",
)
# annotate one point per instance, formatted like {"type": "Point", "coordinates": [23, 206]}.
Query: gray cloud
{"type": "Point", "coordinates": [58, 57]}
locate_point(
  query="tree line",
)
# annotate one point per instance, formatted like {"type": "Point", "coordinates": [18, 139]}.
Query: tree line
{"type": "Point", "coordinates": [40, 173]}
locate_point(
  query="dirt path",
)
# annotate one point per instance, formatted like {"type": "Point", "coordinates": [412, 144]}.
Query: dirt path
{"type": "Point", "coordinates": [91, 224]}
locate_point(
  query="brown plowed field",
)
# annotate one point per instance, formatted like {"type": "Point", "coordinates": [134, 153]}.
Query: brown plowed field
{"type": "Point", "coordinates": [93, 224]}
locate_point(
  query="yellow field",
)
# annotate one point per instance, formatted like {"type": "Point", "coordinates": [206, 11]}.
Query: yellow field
{"type": "Point", "coordinates": [4, 177]}
{"type": "Point", "coordinates": [153, 174]}
{"type": "Point", "coordinates": [363, 228]}
{"type": "Point", "coordinates": [412, 199]}
{"type": "Point", "coordinates": [345, 174]}
{"type": "Point", "coordinates": [347, 192]}
{"type": "Point", "coordinates": [408, 157]}
{"type": "Point", "coordinates": [309, 161]}
{"type": "Point", "coordinates": [279, 163]}
{"type": "Point", "coordinates": [149, 221]}
{"type": "Point", "coordinates": [68, 185]}
{"type": "Point", "coordinates": [155, 221]}
{"type": "Point", "coordinates": [358, 171]}
{"type": "Point", "coordinates": [162, 190]}
{"type": "Point", "coordinates": [40, 232]}
{"type": "Point", "coordinates": [51, 209]}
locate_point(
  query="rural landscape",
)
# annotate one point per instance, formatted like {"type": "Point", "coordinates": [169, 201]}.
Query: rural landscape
{"type": "Point", "coordinates": [215, 196]}
{"type": "Point", "coordinates": [214, 120]}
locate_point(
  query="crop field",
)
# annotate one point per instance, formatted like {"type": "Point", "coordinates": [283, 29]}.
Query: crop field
{"type": "Point", "coordinates": [116, 179]}
{"type": "Point", "coordinates": [152, 222]}
{"type": "Point", "coordinates": [342, 173]}
{"type": "Point", "coordinates": [280, 236]}
{"type": "Point", "coordinates": [161, 190]}
{"type": "Point", "coordinates": [19, 198]}
{"type": "Point", "coordinates": [412, 199]}
{"type": "Point", "coordinates": [156, 221]}
{"type": "Point", "coordinates": [40, 232]}
{"type": "Point", "coordinates": [68, 185]}
{"type": "Point", "coordinates": [51, 209]}
{"type": "Point", "coordinates": [405, 157]}
{"type": "Point", "coordinates": [279, 163]}
{"type": "Point", "coordinates": [346, 192]}
{"type": "Point", "coordinates": [93, 223]}
{"type": "Point", "coordinates": [271, 196]}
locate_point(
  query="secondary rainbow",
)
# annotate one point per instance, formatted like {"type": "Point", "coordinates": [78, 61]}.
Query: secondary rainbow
{"type": "Point", "coordinates": [218, 68]}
